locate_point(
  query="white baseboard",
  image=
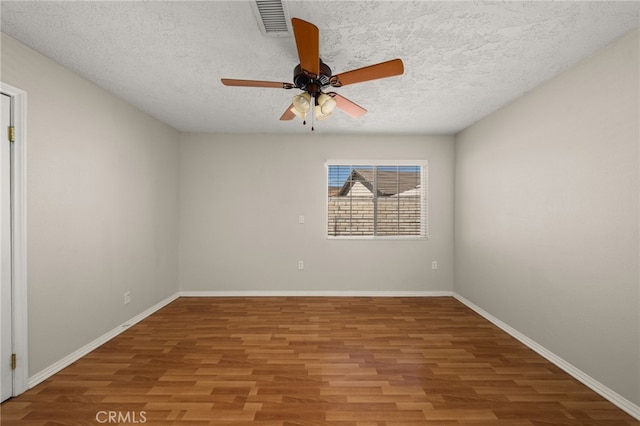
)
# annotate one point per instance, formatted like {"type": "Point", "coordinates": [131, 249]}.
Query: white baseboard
{"type": "Point", "coordinates": [615, 398]}
{"type": "Point", "coordinates": [74, 356]}
{"type": "Point", "coordinates": [330, 293]}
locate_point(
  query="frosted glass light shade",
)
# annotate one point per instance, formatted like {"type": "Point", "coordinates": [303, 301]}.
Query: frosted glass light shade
{"type": "Point", "coordinates": [326, 103]}
{"type": "Point", "coordinates": [302, 115]}
{"type": "Point", "coordinates": [319, 114]}
{"type": "Point", "coordinates": [302, 102]}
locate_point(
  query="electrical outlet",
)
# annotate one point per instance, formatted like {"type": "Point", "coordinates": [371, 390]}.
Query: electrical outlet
{"type": "Point", "coordinates": [300, 219]}
{"type": "Point", "coordinates": [434, 265]}
{"type": "Point", "coordinates": [300, 264]}
{"type": "Point", "coordinates": [127, 298]}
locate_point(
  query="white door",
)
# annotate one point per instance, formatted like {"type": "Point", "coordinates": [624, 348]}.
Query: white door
{"type": "Point", "coordinates": [6, 372]}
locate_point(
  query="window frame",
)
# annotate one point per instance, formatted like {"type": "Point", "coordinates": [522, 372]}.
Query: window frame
{"type": "Point", "coordinates": [424, 193]}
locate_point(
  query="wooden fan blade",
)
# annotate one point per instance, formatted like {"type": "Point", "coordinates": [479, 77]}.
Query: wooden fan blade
{"type": "Point", "coordinates": [288, 114]}
{"type": "Point", "coordinates": [372, 72]}
{"type": "Point", "coordinates": [351, 108]}
{"type": "Point", "coordinates": [308, 43]}
{"type": "Point", "coordinates": [256, 83]}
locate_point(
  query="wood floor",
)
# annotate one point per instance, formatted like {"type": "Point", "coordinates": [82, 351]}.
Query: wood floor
{"type": "Point", "coordinates": [313, 361]}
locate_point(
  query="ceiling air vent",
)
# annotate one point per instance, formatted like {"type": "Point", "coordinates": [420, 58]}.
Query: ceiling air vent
{"type": "Point", "coordinates": [273, 18]}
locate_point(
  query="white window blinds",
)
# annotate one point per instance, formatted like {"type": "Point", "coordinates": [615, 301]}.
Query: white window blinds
{"type": "Point", "coordinates": [376, 200]}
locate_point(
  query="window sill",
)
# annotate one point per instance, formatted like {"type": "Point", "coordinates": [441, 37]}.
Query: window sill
{"type": "Point", "coordinates": [386, 237]}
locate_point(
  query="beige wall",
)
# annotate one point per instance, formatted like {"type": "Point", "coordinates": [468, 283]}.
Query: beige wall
{"type": "Point", "coordinates": [241, 195]}
{"type": "Point", "coordinates": [547, 235]}
{"type": "Point", "coordinates": [102, 194]}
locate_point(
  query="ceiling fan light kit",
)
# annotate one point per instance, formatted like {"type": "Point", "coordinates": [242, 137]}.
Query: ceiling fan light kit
{"type": "Point", "coordinates": [312, 76]}
{"type": "Point", "coordinates": [324, 105]}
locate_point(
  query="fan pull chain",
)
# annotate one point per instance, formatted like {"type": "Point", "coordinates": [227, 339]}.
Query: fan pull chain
{"type": "Point", "coordinates": [312, 110]}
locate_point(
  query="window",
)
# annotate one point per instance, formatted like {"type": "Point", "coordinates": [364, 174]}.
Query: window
{"type": "Point", "coordinates": [371, 199]}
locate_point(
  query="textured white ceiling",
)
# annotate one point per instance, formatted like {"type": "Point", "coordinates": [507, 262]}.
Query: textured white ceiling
{"type": "Point", "coordinates": [463, 60]}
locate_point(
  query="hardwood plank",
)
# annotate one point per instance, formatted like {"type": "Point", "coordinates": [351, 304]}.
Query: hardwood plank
{"type": "Point", "coordinates": [314, 361]}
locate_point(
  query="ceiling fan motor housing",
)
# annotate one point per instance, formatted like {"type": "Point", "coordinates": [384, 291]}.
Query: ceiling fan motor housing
{"type": "Point", "coordinates": [308, 83]}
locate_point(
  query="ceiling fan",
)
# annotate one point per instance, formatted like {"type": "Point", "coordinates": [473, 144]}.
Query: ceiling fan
{"type": "Point", "coordinates": [312, 76]}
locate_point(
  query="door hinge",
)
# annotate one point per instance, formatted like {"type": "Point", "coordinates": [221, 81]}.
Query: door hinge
{"type": "Point", "coordinates": [12, 134]}
{"type": "Point", "coordinates": [13, 361]}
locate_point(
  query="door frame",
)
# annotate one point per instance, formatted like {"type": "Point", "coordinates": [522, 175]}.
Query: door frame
{"type": "Point", "coordinates": [19, 215]}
